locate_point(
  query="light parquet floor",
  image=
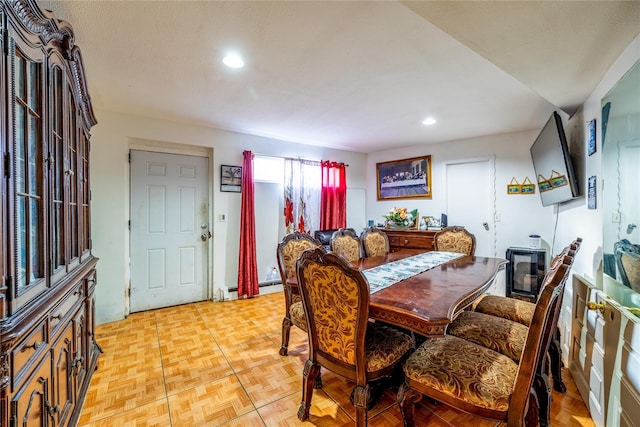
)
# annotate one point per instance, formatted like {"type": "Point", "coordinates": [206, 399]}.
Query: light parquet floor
{"type": "Point", "coordinates": [210, 364]}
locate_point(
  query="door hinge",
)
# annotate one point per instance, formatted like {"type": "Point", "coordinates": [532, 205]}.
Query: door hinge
{"type": "Point", "coordinates": [129, 224]}
{"type": "Point", "coordinates": [7, 165]}
{"type": "Point", "coordinates": [129, 156]}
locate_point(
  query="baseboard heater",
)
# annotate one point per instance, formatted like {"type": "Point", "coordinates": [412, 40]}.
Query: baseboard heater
{"type": "Point", "coordinates": [261, 284]}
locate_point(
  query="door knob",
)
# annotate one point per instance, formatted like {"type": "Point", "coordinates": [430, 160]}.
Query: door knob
{"type": "Point", "coordinates": [596, 306]}
{"type": "Point", "coordinates": [205, 236]}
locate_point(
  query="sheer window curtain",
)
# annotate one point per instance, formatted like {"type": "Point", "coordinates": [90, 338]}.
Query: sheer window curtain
{"type": "Point", "coordinates": [333, 206]}
{"type": "Point", "coordinates": [247, 263]}
{"type": "Point", "coordinates": [302, 190]}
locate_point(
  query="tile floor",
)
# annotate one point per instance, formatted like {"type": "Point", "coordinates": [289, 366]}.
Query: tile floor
{"type": "Point", "coordinates": [210, 364]}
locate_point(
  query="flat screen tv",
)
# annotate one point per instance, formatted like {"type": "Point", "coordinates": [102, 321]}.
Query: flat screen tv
{"type": "Point", "coordinates": [555, 176]}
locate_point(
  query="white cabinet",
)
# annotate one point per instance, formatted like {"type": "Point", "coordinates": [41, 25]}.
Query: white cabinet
{"type": "Point", "coordinates": [604, 356]}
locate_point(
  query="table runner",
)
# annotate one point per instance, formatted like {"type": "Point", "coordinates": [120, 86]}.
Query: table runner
{"type": "Point", "coordinates": [385, 275]}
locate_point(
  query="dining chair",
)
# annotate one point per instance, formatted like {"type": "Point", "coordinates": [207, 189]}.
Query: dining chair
{"type": "Point", "coordinates": [346, 243]}
{"type": "Point", "coordinates": [375, 242]}
{"type": "Point", "coordinates": [455, 239]}
{"type": "Point", "coordinates": [481, 381]}
{"type": "Point", "coordinates": [341, 338]}
{"type": "Point", "coordinates": [522, 312]}
{"type": "Point", "coordinates": [324, 236]}
{"type": "Point", "coordinates": [287, 253]}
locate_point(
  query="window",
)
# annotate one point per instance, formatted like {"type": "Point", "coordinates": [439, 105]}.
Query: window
{"type": "Point", "coordinates": [268, 169]}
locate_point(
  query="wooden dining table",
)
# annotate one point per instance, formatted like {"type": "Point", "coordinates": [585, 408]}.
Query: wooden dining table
{"type": "Point", "coordinates": [427, 302]}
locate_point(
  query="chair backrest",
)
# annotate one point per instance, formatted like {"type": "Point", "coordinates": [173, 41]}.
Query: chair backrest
{"type": "Point", "coordinates": [336, 298]}
{"type": "Point", "coordinates": [346, 243]}
{"type": "Point", "coordinates": [627, 257]}
{"type": "Point", "coordinates": [455, 239]}
{"type": "Point", "coordinates": [374, 242]}
{"type": "Point", "coordinates": [538, 339]}
{"type": "Point", "coordinates": [325, 236]}
{"type": "Point", "coordinates": [289, 250]}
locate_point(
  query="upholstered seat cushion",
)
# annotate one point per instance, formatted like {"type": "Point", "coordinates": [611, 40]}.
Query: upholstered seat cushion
{"type": "Point", "coordinates": [467, 372]}
{"type": "Point", "coordinates": [507, 308]}
{"type": "Point", "coordinates": [296, 314]}
{"type": "Point", "coordinates": [385, 346]}
{"type": "Point", "coordinates": [504, 336]}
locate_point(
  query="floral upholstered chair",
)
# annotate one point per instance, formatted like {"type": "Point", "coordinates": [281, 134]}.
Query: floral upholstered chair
{"type": "Point", "coordinates": [521, 312]}
{"type": "Point", "coordinates": [336, 299]}
{"type": "Point", "coordinates": [346, 243]}
{"type": "Point", "coordinates": [374, 242]}
{"type": "Point", "coordinates": [288, 253]}
{"type": "Point", "coordinates": [478, 380]}
{"type": "Point", "coordinates": [455, 239]}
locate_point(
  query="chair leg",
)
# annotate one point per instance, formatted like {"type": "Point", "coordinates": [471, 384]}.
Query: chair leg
{"type": "Point", "coordinates": [555, 356]}
{"type": "Point", "coordinates": [542, 390]}
{"type": "Point", "coordinates": [532, 415]}
{"type": "Point", "coordinates": [361, 397]}
{"type": "Point", "coordinates": [407, 398]}
{"type": "Point", "coordinates": [310, 372]}
{"type": "Point", "coordinates": [286, 329]}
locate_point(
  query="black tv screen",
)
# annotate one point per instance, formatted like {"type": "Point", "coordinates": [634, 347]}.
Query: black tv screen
{"type": "Point", "coordinates": [555, 176]}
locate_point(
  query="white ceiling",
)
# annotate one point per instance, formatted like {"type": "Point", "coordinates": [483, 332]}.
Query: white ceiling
{"type": "Point", "coordinates": [358, 75]}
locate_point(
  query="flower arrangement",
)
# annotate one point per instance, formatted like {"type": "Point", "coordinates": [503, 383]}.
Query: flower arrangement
{"type": "Point", "coordinates": [401, 217]}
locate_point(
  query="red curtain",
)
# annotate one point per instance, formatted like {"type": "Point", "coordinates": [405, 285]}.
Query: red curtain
{"type": "Point", "coordinates": [333, 199]}
{"type": "Point", "coordinates": [247, 264]}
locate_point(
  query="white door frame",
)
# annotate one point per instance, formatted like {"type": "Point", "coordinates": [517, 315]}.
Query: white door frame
{"type": "Point", "coordinates": [169, 148]}
{"type": "Point", "coordinates": [492, 191]}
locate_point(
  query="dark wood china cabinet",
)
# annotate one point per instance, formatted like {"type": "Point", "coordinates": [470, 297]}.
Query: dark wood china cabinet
{"type": "Point", "coordinates": [47, 271]}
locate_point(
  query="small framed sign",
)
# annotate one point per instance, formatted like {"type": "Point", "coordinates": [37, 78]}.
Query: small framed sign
{"type": "Point", "coordinates": [591, 193]}
{"type": "Point", "coordinates": [591, 144]}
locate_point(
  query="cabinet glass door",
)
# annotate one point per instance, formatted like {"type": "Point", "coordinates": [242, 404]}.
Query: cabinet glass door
{"type": "Point", "coordinates": [28, 173]}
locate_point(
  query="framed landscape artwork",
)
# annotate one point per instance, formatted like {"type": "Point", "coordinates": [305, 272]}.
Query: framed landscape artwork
{"type": "Point", "coordinates": [231, 178]}
{"type": "Point", "coordinates": [404, 179]}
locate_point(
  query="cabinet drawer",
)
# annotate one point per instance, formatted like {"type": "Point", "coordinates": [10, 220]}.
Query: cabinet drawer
{"type": "Point", "coordinates": [65, 308]}
{"type": "Point", "coordinates": [413, 242]}
{"type": "Point", "coordinates": [28, 351]}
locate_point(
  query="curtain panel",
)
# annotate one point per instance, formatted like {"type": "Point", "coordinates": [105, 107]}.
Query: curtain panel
{"type": "Point", "coordinates": [301, 195]}
{"type": "Point", "coordinates": [333, 204]}
{"type": "Point", "coordinates": [247, 262]}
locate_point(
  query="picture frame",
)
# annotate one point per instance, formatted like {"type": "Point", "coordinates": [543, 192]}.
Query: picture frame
{"type": "Point", "coordinates": [591, 192]}
{"type": "Point", "coordinates": [591, 135]}
{"type": "Point", "coordinates": [404, 179]}
{"type": "Point", "coordinates": [231, 178]}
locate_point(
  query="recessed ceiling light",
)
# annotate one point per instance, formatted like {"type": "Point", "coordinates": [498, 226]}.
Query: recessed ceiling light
{"type": "Point", "coordinates": [429, 121]}
{"type": "Point", "coordinates": [233, 60]}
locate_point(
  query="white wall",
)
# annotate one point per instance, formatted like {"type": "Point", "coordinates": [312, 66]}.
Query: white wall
{"type": "Point", "coordinates": [112, 138]}
{"type": "Point", "coordinates": [520, 215]}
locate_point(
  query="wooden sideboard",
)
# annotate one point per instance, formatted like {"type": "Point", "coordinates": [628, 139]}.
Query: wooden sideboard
{"type": "Point", "coordinates": [410, 239]}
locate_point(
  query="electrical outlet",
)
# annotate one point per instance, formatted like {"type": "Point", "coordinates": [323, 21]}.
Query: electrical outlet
{"type": "Point", "coordinates": [615, 217]}
{"type": "Point", "coordinates": [496, 217]}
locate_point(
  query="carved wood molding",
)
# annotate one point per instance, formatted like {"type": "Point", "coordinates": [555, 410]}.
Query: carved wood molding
{"type": "Point", "coordinates": [49, 28]}
{"type": "Point", "coordinates": [4, 364]}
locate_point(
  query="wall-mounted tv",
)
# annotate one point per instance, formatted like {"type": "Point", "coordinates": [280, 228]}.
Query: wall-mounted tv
{"type": "Point", "coordinates": [554, 172]}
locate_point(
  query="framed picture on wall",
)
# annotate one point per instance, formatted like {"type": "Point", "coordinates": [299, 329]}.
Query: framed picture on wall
{"type": "Point", "coordinates": [231, 178]}
{"type": "Point", "coordinates": [404, 179]}
{"type": "Point", "coordinates": [591, 193]}
{"type": "Point", "coordinates": [591, 135]}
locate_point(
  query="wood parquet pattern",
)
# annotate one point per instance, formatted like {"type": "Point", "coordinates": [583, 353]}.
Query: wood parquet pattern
{"type": "Point", "coordinates": [217, 364]}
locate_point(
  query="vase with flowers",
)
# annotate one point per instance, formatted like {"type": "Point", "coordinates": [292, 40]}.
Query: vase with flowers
{"type": "Point", "coordinates": [401, 218]}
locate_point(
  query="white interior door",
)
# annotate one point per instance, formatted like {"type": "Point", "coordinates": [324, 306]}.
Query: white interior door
{"type": "Point", "coordinates": [469, 191]}
{"type": "Point", "coordinates": [169, 229]}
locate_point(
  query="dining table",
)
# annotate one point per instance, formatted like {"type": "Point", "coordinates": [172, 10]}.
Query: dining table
{"type": "Point", "coordinates": [428, 301]}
